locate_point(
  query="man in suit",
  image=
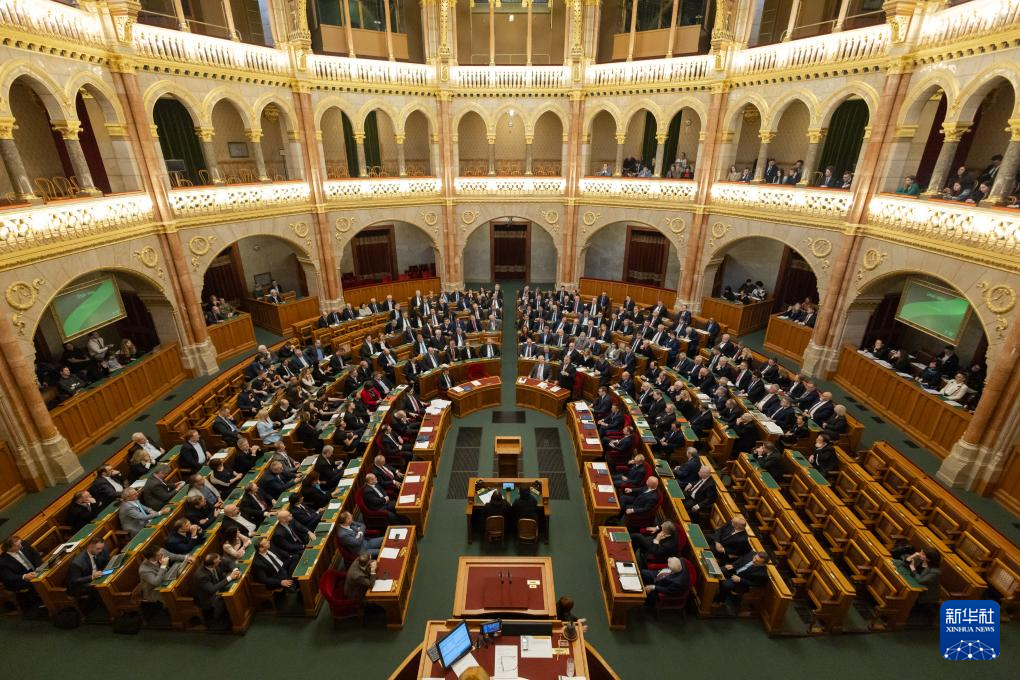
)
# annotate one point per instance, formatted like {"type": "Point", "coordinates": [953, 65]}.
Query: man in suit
{"type": "Point", "coordinates": [701, 494]}
{"type": "Point", "coordinates": [360, 577]}
{"type": "Point", "coordinates": [489, 350]}
{"type": "Point", "coordinates": [770, 400]}
{"type": "Point", "coordinates": [375, 498]}
{"type": "Point", "coordinates": [82, 510]}
{"type": "Point", "coordinates": [672, 580]}
{"type": "Point", "coordinates": [271, 569]}
{"type": "Point", "coordinates": [712, 329]}
{"type": "Point", "coordinates": [730, 541]}
{"type": "Point", "coordinates": [389, 478]}
{"type": "Point", "coordinates": [133, 514]}
{"type": "Point", "coordinates": [107, 485]}
{"type": "Point", "coordinates": [275, 481]}
{"type": "Point", "coordinates": [641, 500]}
{"type": "Point", "coordinates": [157, 492]}
{"type": "Point", "coordinates": [748, 571]}
{"type": "Point", "coordinates": [687, 472]}
{"type": "Point", "coordinates": [289, 539]}
{"type": "Point", "coordinates": [836, 425]}
{"type": "Point", "coordinates": [193, 455]}
{"type": "Point", "coordinates": [755, 389]}
{"type": "Point", "coordinates": [18, 564]}
{"type": "Point", "coordinates": [87, 566]}
{"type": "Point", "coordinates": [541, 370]}
{"type": "Point", "coordinates": [224, 426]}
{"type": "Point", "coordinates": [157, 567]}
{"type": "Point", "coordinates": [352, 537]}
{"type": "Point", "coordinates": [232, 517]}
{"type": "Point", "coordinates": [529, 350]}
{"type": "Point", "coordinates": [702, 421]}
{"type": "Point", "coordinates": [785, 416]}
{"type": "Point", "coordinates": [808, 398]}
{"type": "Point", "coordinates": [726, 346]}
{"type": "Point", "coordinates": [567, 373]}
{"type": "Point", "coordinates": [635, 475]}
{"type": "Point", "coordinates": [626, 384]}
{"type": "Point", "coordinates": [822, 410]}
{"type": "Point", "coordinates": [613, 421]}
{"type": "Point", "coordinates": [215, 575]}
{"type": "Point", "coordinates": [184, 537]}
{"type": "Point", "coordinates": [255, 504]}
{"type": "Point", "coordinates": [602, 405]}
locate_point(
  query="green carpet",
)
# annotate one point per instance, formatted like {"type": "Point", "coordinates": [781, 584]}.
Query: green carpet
{"type": "Point", "coordinates": [667, 648]}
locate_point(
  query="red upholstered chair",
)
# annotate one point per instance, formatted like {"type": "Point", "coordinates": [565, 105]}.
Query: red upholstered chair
{"type": "Point", "coordinates": [346, 554]}
{"type": "Point", "coordinates": [639, 520]}
{"type": "Point", "coordinates": [331, 585]}
{"type": "Point", "coordinates": [377, 519]}
{"type": "Point", "coordinates": [476, 372]}
{"type": "Point", "coordinates": [678, 601]}
{"type": "Point", "coordinates": [578, 385]}
{"type": "Point", "coordinates": [648, 473]}
{"type": "Point", "coordinates": [681, 543]}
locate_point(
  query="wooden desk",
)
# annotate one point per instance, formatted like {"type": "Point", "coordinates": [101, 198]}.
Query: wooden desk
{"type": "Point", "coordinates": [787, 338]}
{"type": "Point", "coordinates": [489, 586]}
{"type": "Point", "coordinates": [549, 399]}
{"type": "Point", "coordinates": [232, 336]}
{"type": "Point", "coordinates": [927, 417]}
{"type": "Point", "coordinates": [584, 433]}
{"type": "Point", "coordinates": [402, 291]}
{"type": "Point", "coordinates": [738, 318]}
{"type": "Point", "coordinates": [401, 570]}
{"type": "Point", "coordinates": [280, 319]}
{"type": "Point", "coordinates": [475, 395]}
{"type": "Point", "coordinates": [699, 552]}
{"type": "Point", "coordinates": [428, 380]}
{"type": "Point", "coordinates": [429, 444]}
{"type": "Point", "coordinates": [609, 554]}
{"type": "Point", "coordinates": [601, 504]}
{"type": "Point", "coordinates": [646, 296]}
{"type": "Point", "coordinates": [415, 495]}
{"type": "Point", "coordinates": [508, 451]}
{"type": "Point", "coordinates": [478, 485]}
{"type": "Point", "coordinates": [420, 666]}
{"type": "Point", "coordinates": [87, 417]}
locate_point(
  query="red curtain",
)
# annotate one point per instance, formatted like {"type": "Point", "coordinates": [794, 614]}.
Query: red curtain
{"type": "Point", "coordinates": [373, 254]}
{"type": "Point", "coordinates": [510, 251]}
{"type": "Point", "coordinates": [647, 252]}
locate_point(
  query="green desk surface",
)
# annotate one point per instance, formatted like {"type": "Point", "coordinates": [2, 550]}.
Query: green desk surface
{"type": "Point", "coordinates": [903, 571]}
{"type": "Point", "coordinates": [696, 535]}
{"type": "Point", "coordinates": [799, 457]}
{"type": "Point", "coordinates": [140, 538]}
{"type": "Point", "coordinates": [308, 559]}
{"type": "Point", "coordinates": [769, 480]}
{"type": "Point", "coordinates": [817, 477]}
{"type": "Point", "coordinates": [674, 490]}
{"type": "Point", "coordinates": [689, 434]}
{"type": "Point", "coordinates": [662, 469]}
{"type": "Point", "coordinates": [730, 434]}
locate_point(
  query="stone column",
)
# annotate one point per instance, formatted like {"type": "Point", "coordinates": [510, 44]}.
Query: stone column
{"type": "Point", "coordinates": [401, 161]}
{"type": "Point", "coordinates": [389, 32]}
{"type": "Point", "coordinates": [815, 136]}
{"type": "Point", "coordinates": [766, 137]}
{"type": "Point", "coordinates": [182, 21]}
{"type": "Point", "coordinates": [347, 29]}
{"type": "Point", "coordinates": [952, 133]}
{"type": "Point", "coordinates": [69, 130]}
{"type": "Point", "coordinates": [660, 148]}
{"type": "Point", "coordinates": [791, 25]}
{"type": "Point", "coordinates": [435, 169]}
{"type": "Point", "coordinates": [205, 136]}
{"type": "Point", "coordinates": [528, 151]}
{"type": "Point", "coordinates": [359, 141]}
{"type": "Point", "coordinates": [254, 136]}
{"type": "Point", "coordinates": [727, 154]}
{"type": "Point", "coordinates": [293, 160]}
{"type": "Point", "coordinates": [492, 35]}
{"type": "Point", "coordinates": [697, 150]}
{"type": "Point", "coordinates": [618, 169]}
{"type": "Point", "coordinates": [1006, 177]}
{"type": "Point", "coordinates": [228, 14]}
{"type": "Point", "coordinates": [672, 29]}
{"type": "Point", "coordinates": [585, 158]}
{"type": "Point", "coordinates": [844, 5]}
{"type": "Point", "coordinates": [528, 47]}
{"type": "Point", "coordinates": [491, 140]}
{"type": "Point", "coordinates": [13, 164]}
{"type": "Point", "coordinates": [633, 30]}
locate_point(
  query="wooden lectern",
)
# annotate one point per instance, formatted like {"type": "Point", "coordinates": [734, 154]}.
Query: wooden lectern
{"type": "Point", "coordinates": [508, 456]}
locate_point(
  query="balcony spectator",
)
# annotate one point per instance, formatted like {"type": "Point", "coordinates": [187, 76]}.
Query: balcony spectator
{"type": "Point", "coordinates": [848, 180]}
{"type": "Point", "coordinates": [773, 173]}
{"type": "Point", "coordinates": [791, 178]}
{"type": "Point", "coordinates": [676, 170]}
{"type": "Point", "coordinates": [829, 180]}
{"type": "Point", "coordinates": [645, 171]}
{"type": "Point", "coordinates": [989, 174]}
{"type": "Point", "coordinates": [606, 171]}
{"type": "Point", "coordinates": [733, 175]}
{"type": "Point", "coordinates": [964, 177]}
{"type": "Point", "coordinates": [798, 171]}
{"type": "Point", "coordinates": [746, 176]}
{"type": "Point", "coordinates": [979, 194]}
{"type": "Point", "coordinates": [910, 187]}
{"type": "Point", "coordinates": [957, 192]}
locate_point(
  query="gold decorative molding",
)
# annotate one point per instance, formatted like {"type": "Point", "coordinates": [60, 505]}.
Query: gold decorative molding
{"type": "Point", "coordinates": [21, 296]}
{"type": "Point", "coordinates": [430, 218]}
{"type": "Point", "coordinates": [302, 231]}
{"type": "Point", "coordinates": [551, 216]}
{"type": "Point", "coordinates": [999, 298]}
{"type": "Point", "coordinates": [199, 246]}
{"type": "Point", "coordinates": [719, 231]}
{"type": "Point", "coordinates": [342, 226]}
{"type": "Point", "coordinates": [149, 257]}
{"type": "Point", "coordinates": [870, 261]}
{"type": "Point", "coordinates": [820, 248]}
{"type": "Point", "coordinates": [589, 218]}
{"type": "Point", "coordinates": [469, 216]}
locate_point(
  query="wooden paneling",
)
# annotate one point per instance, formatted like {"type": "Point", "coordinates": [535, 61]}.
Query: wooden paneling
{"type": "Point", "coordinates": [400, 290]}
{"type": "Point", "coordinates": [233, 336]}
{"type": "Point", "coordinates": [935, 424]}
{"type": "Point", "coordinates": [787, 338]}
{"type": "Point", "coordinates": [280, 319]}
{"type": "Point", "coordinates": [89, 416]}
{"type": "Point", "coordinates": [740, 319]}
{"type": "Point", "coordinates": [1008, 490]}
{"type": "Point", "coordinates": [645, 296]}
{"type": "Point", "coordinates": [12, 486]}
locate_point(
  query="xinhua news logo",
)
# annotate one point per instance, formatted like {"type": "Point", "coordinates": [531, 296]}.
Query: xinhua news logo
{"type": "Point", "coordinates": [970, 630]}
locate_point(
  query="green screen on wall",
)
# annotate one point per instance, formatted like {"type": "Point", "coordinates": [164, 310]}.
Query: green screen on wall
{"type": "Point", "coordinates": [932, 310]}
{"type": "Point", "coordinates": [87, 308]}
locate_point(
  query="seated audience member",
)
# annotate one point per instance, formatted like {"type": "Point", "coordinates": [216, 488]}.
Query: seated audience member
{"type": "Point", "coordinates": [730, 541]}
{"type": "Point", "coordinates": [910, 187]}
{"type": "Point", "coordinates": [687, 472]}
{"type": "Point", "coordinates": [352, 536]}
{"type": "Point", "coordinates": [376, 498]}
{"type": "Point", "coordinates": [836, 425]}
{"type": "Point", "coordinates": [157, 567]}
{"type": "Point", "coordinates": [641, 500]}
{"type": "Point", "coordinates": [270, 569]}
{"type": "Point", "coordinates": [234, 544]}
{"type": "Point", "coordinates": [526, 507]}
{"type": "Point", "coordinates": [18, 564]}
{"type": "Point", "coordinates": [701, 494]}
{"type": "Point", "coordinates": [86, 567]}
{"type": "Point", "coordinates": [82, 510]}
{"type": "Point", "coordinates": [215, 575]}
{"type": "Point", "coordinates": [184, 537]}
{"type": "Point", "coordinates": [673, 579]}
{"type": "Point", "coordinates": [660, 543]}
{"type": "Point", "coordinates": [157, 492]}
{"type": "Point", "coordinates": [360, 577]}
{"type": "Point", "coordinates": [824, 455]}
{"type": "Point", "coordinates": [956, 389]}
{"type": "Point", "coordinates": [746, 572]}
{"type": "Point", "coordinates": [198, 511]}
{"type": "Point", "coordinates": [925, 567]}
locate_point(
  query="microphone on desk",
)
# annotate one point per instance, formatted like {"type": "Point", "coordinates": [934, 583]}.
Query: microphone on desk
{"type": "Point", "coordinates": [500, 575]}
{"type": "Point", "coordinates": [510, 575]}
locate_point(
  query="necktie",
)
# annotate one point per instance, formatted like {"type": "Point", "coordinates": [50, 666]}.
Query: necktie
{"type": "Point", "coordinates": [663, 573]}
{"type": "Point", "coordinates": [274, 560]}
{"type": "Point", "coordinates": [20, 557]}
{"type": "Point", "coordinates": [744, 568]}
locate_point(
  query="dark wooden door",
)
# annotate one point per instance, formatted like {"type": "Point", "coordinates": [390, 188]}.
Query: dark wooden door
{"type": "Point", "coordinates": [225, 276]}
{"type": "Point", "coordinates": [795, 281]}
{"type": "Point", "coordinates": [375, 253]}
{"type": "Point", "coordinates": [511, 251]}
{"type": "Point", "coordinates": [645, 257]}
{"type": "Point", "coordinates": [882, 324]}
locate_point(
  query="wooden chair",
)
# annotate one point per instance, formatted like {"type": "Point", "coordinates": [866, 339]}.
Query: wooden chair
{"type": "Point", "coordinates": [494, 529]}
{"type": "Point", "coordinates": [527, 530]}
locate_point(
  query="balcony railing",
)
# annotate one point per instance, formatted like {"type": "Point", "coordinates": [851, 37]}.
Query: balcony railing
{"type": "Point", "coordinates": [371, 71]}
{"type": "Point", "coordinates": [845, 47]}
{"type": "Point", "coordinates": [510, 77]}
{"type": "Point", "coordinates": [53, 19]}
{"type": "Point", "coordinates": [649, 71]}
{"type": "Point", "coordinates": [395, 187]}
{"type": "Point", "coordinates": [992, 229]}
{"type": "Point", "coordinates": [969, 20]}
{"type": "Point", "coordinates": [630, 188]}
{"type": "Point", "coordinates": [194, 201]}
{"type": "Point", "coordinates": [510, 186]}
{"type": "Point", "coordinates": [178, 47]}
{"type": "Point", "coordinates": [73, 219]}
{"type": "Point", "coordinates": [833, 203]}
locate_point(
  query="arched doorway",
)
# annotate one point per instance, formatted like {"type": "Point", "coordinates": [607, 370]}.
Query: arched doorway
{"type": "Point", "coordinates": [510, 249]}
{"type": "Point", "coordinates": [338, 146]}
{"type": "Point", "coordinates": [791, 143]}
{"type": "Point", "coordinates": [844, 138]}
{"type": "Point", "coordinates": [547, 146]}
{"type": "Point", "coordinates": [746, 142]}
{"type": "Point", "coordinates": [417, 146]}
{"type": "Point", "coordinates": [258, 261]}
{"type": "Point", "coordinates": [785, 273]}
{"type": "Point", "coordinates": [182, 150]}
{"type": "Point", "coordinates": [602, 145]}
{"type": "Point", "coordinates": [386, 251]}
{"type": "Point", "coordinates": [510, 144]}
{"type": "Point", "coordinates": [632, 252]}
{"type": "Point", "coordinates": [232, 145]}
{"type": "Point", "coordinates": [640, 144]}
{"type": "Point", "coordinates": [472, 146]}
{"type": "Point", "coordinates": [682, 139]}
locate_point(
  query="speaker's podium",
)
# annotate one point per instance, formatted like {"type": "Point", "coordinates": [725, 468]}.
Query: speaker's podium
{"type": "Point", "coordinates": [508, 452]}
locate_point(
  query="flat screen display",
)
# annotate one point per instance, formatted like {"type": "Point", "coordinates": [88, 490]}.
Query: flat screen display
{"type": "Point", "coordinates": [455, 645]}
{"type": "Point", "coordinates": [933, 310]}
{"type": "Point", "coordinates": [87, 307]}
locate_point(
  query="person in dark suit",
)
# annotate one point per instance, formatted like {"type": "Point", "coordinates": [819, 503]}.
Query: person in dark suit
{"type": "Point", "coordinates": [184, 538]}
{"type": "Point", "coordinates": [641, 500]}
{"type": "Point", "coordinates": [824, 456]}
{"type": "Point", "coordinates": [730, 541]}
{"type": "Point", "coordinates": [289, 538]}
{"type": "Point", "coordinates": [567, 373]}
{"type": "Point", "coordinates": [376, 498]}
{"type": "Point", "coordinates": [949, 362]}
{"type": "Point", "coordinates": [822, 409]}
{"type": "Point", "coordinates": [701, 494]}
{"type": "Point", "coordinates": [157, 492]}
{"type": "Point", "coordinates": [394, 447]}
{"type": "Point", "coordinates": [671, 580]}
{"type": "Point", "coordinates": [107, 485]}
{"type": "Point", "coordinates": [747, 433]}
{"type": "Point", "coordinates": [836, 425]}
{"type": "Point", "coordinates": [87, 566]}
{"type": "Point", "coordinates": [215, 575]}
{"type": "Point", "coordinates": [626, 384]}
{"type": "Point", "coordinates": [224, 426]}
{"type": "Point", "coordinates": [748, 571]}
{"type": "Point", "coordinates": [701, 423]}
{"type": "Point", "coordinates": [526, 507]}
{"type": "Point", "coordinates": [770, 459]}
{"type": "Point", "coordinates": [82, 510]}
{"type": "Point", "coordinates": [270, 569]}
{"type": "Point", "coordinates": [635, 475]}
{"type": "Point", "coordinates": [659, 545]}
{"type": "Point", "coordinates": [389, 477]}
{"type": "Point", "coordinates": [329, 468]}
{"type": "Point", "coordinates": [687, 472]}
{"type": "Point", "coordinates": [18, 564]}
{"type": "Point", "coordinates": [255, 504]}
{"type": "Point", "coordinates": [193, 455]}
{"type": "Point", "coordinates": [617, 446]}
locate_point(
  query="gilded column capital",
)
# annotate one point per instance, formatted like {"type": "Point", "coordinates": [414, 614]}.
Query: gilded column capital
{"type": "Point", "coordinates": [620, 139]}
{"type": "Point", "coordinates": [295, 135]}
{"type": "Point", "coordinates": [7, 127]}
{"type": "Point", "coordinates": [905, 132]}
{"type": "Point", "coordinates": [1013, 129]}
{"type": "Point", "coordinates": [767, 136]}
{"type": "Point", "coordinates": [726, 136]}
{"type": "Point", "coordinates": [205, 134]}
{"type": "Point", "coordinates": [661, 138]}
{"type": "Point", "coordinates": [954, 132]}
{"type": "Point", "coordinates": [115, 130]}
{"type": "Point", "coordinates": [68, 129]}
{"type": "Point", "coordinates": [490, 139]}
{"type": "Point", "coordinates": [359, 137]}
{"type": "Point", "coordinates": [254, 135]}
{"type": "Point", "coordinates": [399, 139]}
{"type": "Point", "coordinates": [814, 135]}
{"type": "Point", "coordinates": [529, 139]}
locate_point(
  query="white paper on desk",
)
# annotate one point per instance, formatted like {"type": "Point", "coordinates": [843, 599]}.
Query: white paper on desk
{"type": "Point", "coordinates": [954, 403]}
{"type": "Point", "coordinates": [465, 662]}
{"type": "Point", "coordinates": [485, 496]}
{"type": "Point", "coordinates": [425, 430]}
{"type": "Point", "coordinates": [931, 391]}
{"type": "Point", "coordinates": [918, 365]}
{"type": "Point", "coordinates": [543, 385]}
{"type": "Point", "coordinates": [458, 389]}
{"type": "Point", "coordinates": [881, 362]}
{"type": "Point", "coordinates": [592, 441]}
{"type": "Point", "coordinates": [904, 375]}
{"type": "Point", "coordinates": [407, 499]}
{"type": "Point", "coordinates": [433, 411]}
{"type": "Point", "coordinates": [632, 584]}
{"type": "Point", "coordinates": [345, 483]}
{"type": "Point", "coordinates": [138, 484]}
{"type": "Point", "coordinates": [476, 383]}
{"type": "Point", "coordinates": [439, 403]}
{"type": "Point", "coordinates": [219, 455]}
{"type": "Point", "coordinates": [309, 460]}
{"type": "Point", "coordinates": [626, 568]}
{"type": "Point", "coordinates": [334, 505]}
{"type": "Point", "coordinates": [382, 585]}
{"type": "Point", "coordinates": [505, 662]}
{"type": "Point", "coordinates": [600, 466]}
{"type": "Point", "coordinates": [771, 427]}
{"type": "Point", "coordinates": [412, 479]}
{"type": "Point", "coordinates": [389, 553]}
{"type": "Point", "coordinates": [421, 445]}
{"type": "Point", "coordinates": [605, 488]}
{"type": "Point", "coordinates": [397, 534]}
{"type": "Point", "coordinates": [539, 647]}
{"type": "Point", "coordinates": [581, 406]}
{"type": "Point", "coordinates": [351, 472]}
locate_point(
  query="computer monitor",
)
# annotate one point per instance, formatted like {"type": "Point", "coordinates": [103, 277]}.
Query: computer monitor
{"type": "Point", "coordinates": [454, 646]}
{"type": "Point", "coordinates": [492, 627]}
{"type": "Point", "coordinates": [508, 486]}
